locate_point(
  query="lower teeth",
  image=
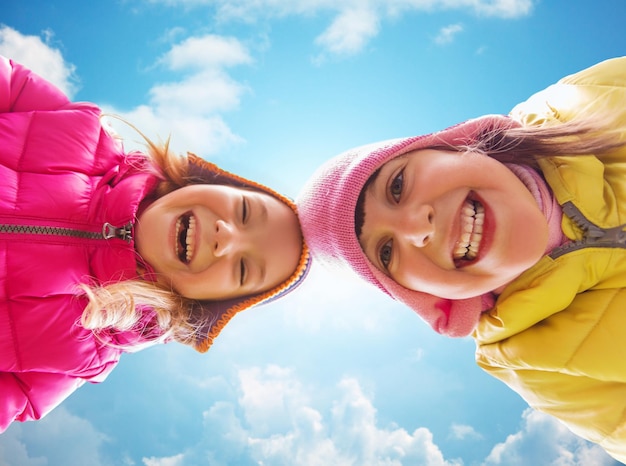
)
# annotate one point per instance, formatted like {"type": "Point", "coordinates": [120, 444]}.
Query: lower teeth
{"type": "Point", "coordinates": [472, 241]}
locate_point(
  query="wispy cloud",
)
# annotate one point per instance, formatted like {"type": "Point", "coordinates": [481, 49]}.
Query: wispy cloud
{"type": "Point", "coordinates": [252, 10]}
{"type": "Point", "coordinates": [349, 32]}
{"type": "Point", "coordinates": [209, 51]}
{"type": "Point", "coordinates": [269, 396]}
{"type": "Point", "coordinates": [448, 33]}
{"type": "Point", "coordinates": [500, 8]}
{"type": "Point", "coordinates": [176, 460]}
{"type": "Point", "coordinates": [276, 418]}
{"type": "Point", "coordinates": [59, 438]}
{"type": "Point", "coordinates": [462, 432]}
{"type": "Point", "coordinates": [543, 440]}
{"type": "Point", "coordinates": [281, 420]}
{"type": "Point", "coordinates": [299, 432]}
{"type": "Point", "coordinates": [353, 23]}
{"type": "Point", "coordinates": [40, 56]}
{"type": "Point", "coordinates": [190, 108]}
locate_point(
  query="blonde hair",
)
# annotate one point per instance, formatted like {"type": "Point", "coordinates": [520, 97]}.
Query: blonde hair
{"type": "Point", "coordinates": [119, 305]}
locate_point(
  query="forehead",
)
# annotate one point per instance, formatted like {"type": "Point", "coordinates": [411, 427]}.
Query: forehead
{"type": "Point", "coordinates": [281, 241]}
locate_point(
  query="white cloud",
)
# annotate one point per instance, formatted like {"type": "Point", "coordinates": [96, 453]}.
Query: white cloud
{"type": "Point", "coordinates": [462, 432]}
{"type": "Point", "coordinates": [280, 420]}
{"type": "Point", "coordinates": [204, 135]}
{"type": "Point", "coordinates": [251, 11]}
{"type": "Point", "coordinates": [204, 93]}
{"type": "Point", "coordinates": [278, 423]}
{"type": "Point", "coordinates": [78, 437]}
{"type": "Point", "coordinates": [494, 8]}
{"type": "Point", "coordinates": [349, 32]}
{"type": "Point", "coordinates": [38, 55]}
{"type": "Point", "coordinates": [448, 33]}
{"type": "Point", "coordinates": [206, 52]}
{"type": "Point", "coordinates": [268, 397]}
{"type": "Point", "coordinates": [190, 109]}
{"type": "Point", "coordinates": [544, 440]}
{"type": "Point", "coordinates": [502, 8]}
{"type": "Point", "coordinates": [356, 431]}
{"type": "Point", "coordinates": [248, 10]}
{"type": "Point", "coordinates": [176, 460]}
{"type": "Point", "coordinates": [172, 35]}
{"type": "Point", "coordinates": [354, 22]}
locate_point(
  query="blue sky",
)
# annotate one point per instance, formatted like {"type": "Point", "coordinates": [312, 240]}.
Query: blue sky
{"type": "Point", "coordinates": [334, 374]}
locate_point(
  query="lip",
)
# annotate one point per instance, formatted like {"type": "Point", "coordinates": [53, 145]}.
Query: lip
{"type": "Point", "coordinates": [487, 234]}
{"type": "Point", "coordinates": [177, 227]}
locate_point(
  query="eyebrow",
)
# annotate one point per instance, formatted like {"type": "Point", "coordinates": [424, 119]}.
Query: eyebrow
{"type": "Point", "coordinates": [263, 214]}
{"type": "Point", "coordinates": [263, 272]}
{"type": "Point", "coordinates": [368, 244]}
{"type": "Point", "coordinates": [359, 209]}
{"type": "Point", "coordinates": [263, 209]}
{"type": "Point", "coordinates": [377, 191]}
{"type": "Point", "coordinates": [259, 278]}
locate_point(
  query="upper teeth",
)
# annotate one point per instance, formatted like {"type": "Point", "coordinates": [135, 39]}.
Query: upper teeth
{"type": "Point", "coordinates": [191, 230]}
{"type": "Point", "coordinates": [472, 220]}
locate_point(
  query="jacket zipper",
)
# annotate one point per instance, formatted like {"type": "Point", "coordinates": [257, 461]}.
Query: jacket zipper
{"type": "Point", "coordinates": [593, 235]}
{"type": "Point", "coordinates": [108, 231]}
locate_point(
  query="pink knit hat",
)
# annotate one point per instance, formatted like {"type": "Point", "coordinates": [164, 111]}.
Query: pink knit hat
{"type": "Point", "coordinates": [327, 205]}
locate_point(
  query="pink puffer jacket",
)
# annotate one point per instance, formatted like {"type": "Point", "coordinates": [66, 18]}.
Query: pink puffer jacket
{"type": "Point", "coordinates": [64, 181]}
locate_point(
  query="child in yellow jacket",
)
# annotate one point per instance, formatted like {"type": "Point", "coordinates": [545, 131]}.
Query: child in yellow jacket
{"type": "Point", "coordinates": [510, 229]}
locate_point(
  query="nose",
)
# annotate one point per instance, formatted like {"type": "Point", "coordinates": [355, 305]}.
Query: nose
{"type": "Point", "coordinates": [416, 226]}
{"type": "Point", "coordinates": [226, 238]}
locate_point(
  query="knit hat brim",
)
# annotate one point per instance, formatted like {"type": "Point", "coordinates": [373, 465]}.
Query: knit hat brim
{"type": "Point", "coordinates": [218, 313]}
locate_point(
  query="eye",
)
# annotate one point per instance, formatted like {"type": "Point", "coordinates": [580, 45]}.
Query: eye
{"type": "Point", "coordinates": [242, 272]}
{"type": "Point", "coordinates": [384, 254]}
{"type": "Point", "coordinates": [245, 210]}
{"type": "Point", "coordinates": [396, 186]}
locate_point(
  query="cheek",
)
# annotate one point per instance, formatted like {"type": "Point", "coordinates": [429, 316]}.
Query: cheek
{"type": "Point", "coordinates": [149, 219]}
{"type": "Point", "coordinates": [190, 286]}
{"type": "Point", "coordinates": [212, 283]}
{"type": "Point", "coordinates": [415, 272]}
{"type": "Point", "coordinates": [529, 238]}
{"type": "Point", "coordinates": [151, 231]}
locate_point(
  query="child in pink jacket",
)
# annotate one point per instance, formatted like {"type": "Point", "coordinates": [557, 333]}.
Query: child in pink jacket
{"type": "Point", "coordinates": [103, 251]}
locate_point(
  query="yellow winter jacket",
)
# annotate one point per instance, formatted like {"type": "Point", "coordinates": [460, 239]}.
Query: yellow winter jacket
{"type": "Point", "coordinates": [557, 334]}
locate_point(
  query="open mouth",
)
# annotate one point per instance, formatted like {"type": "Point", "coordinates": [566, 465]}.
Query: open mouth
{"type": "Point", "coordinates": [185, 237]}
{"type": "Point", "coordinates": [472, 221]}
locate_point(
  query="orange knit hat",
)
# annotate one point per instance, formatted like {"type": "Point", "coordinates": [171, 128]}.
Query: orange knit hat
{"type": "Point", "coordinates": [220, 312]}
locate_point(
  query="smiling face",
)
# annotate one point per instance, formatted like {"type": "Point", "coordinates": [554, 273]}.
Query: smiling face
{"type": "Point", "coordinates": [454, 225]}
{"type": "Point", "coordinates": [216, 242]}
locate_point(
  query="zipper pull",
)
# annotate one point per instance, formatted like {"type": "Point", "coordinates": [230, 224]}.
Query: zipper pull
{"type": "Point", "coordinates": [613, 237]}
{"type": "Point", "coordinates": [124, 232]}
